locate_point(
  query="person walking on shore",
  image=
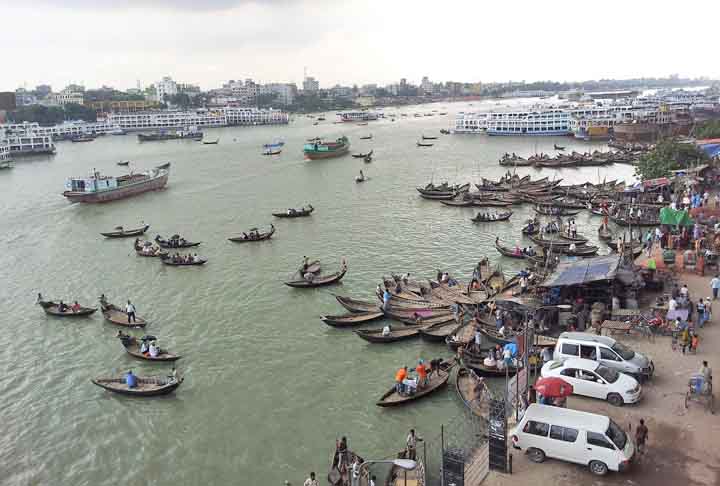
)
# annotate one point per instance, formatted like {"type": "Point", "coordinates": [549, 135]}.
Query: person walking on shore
{"type": "Point", "coordinates": [715, 286]}
{"type": "Point", "coordinates": [641, 437]}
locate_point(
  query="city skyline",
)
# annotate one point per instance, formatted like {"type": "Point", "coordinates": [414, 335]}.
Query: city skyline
{"type": "Point", "coordinates": [346, 43]}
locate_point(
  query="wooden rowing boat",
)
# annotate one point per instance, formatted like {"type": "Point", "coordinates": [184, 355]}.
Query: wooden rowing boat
{"type": "Point", "coordinates": [508, 252]}
{"type": "Point", "coordinates": [498, 217]}
{"type": "Point", "coordinates": [392, 398]}
{"type": "Point", "coordinates": [355, 305]}
{"type": "Point", "coordinates": [175, 242]}
{"type": "Point", "coordinates": [319, 280]}
{"type": "Point", "coordinates": [352, 319]}
{"type": "Point", "coordinates": [555, 211]}
{"type": "Point", "coordinates": [255, 236]}
{"type": "Point", "coordinates": [132, 346]}
{"type": "Point", "coordinates": [396, 334]}
{"type": "Point", "coordinates": [439, 331]}
{"type": "Point", "coordinates": [146, 386]}
{"type": "Point", "coordinates": [53, 309]}
{"type": "Point", "coordinates": [123, 233]}
{"type": "Point", "coordinates": [168, 260]}
{"type": "Point", "coordinates": [117, 316]}
{"type": "Point", "coordinates": [472, 389]}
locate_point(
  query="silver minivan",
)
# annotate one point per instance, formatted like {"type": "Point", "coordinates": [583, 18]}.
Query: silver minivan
{"type": "Point", "coordinates": [606, 350]}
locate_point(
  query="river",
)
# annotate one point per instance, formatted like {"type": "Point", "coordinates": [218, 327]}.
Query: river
{"type": "Point", "coordinates": [268, 387]}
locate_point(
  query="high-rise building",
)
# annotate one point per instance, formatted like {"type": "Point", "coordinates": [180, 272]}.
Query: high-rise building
{"type": "Point", "coordinates": [426, 85]}
{"type": "Point", "coordinates": [311, 84]}
{"type": "Point", "coordinates": [166, 87]}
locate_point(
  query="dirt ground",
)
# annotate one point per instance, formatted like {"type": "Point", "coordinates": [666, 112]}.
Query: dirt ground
{"type": "Point", "coordinates": [684, 444]}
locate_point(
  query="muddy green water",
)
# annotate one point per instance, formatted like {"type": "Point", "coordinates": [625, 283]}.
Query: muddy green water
{"type": "Point", "coordinates": [268, 386]}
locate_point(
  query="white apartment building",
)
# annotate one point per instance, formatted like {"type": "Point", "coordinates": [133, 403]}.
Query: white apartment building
{"type": "Point", "coordinates": [66, 97]}
{"type": "Point", "coordinates": [311, 84]}
{"type": "Point", "coordinates": [165, 87]}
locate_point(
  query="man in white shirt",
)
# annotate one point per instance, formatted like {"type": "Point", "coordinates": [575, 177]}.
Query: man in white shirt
{"type": "Point", "coordinates": [154, 351]}
{"type": "Point", "coordinates": [356, 472]}
{"type": "Point", "coordinates": [311, 481]}
{"type": "Point", "coordinates": [372, 481]}
{"type": "Point", "coordinates": [130, 311]}
{"type": "Point", "coordinates": [386, 330]}
{"type": "Point", "coordinates": [672, 304]}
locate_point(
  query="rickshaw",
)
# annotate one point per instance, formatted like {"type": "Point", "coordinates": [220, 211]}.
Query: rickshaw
{"type": "Point", "coordinates": [700, 390]}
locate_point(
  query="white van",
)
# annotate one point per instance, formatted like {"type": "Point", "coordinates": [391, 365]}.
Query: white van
{"type": "Point", "coordinates": [570, 435]}
{"type": "Point", "coordinates": [605, 350]}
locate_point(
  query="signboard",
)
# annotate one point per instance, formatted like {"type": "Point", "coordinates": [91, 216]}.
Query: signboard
{"type": "Point", "coordinates": [497, 436]}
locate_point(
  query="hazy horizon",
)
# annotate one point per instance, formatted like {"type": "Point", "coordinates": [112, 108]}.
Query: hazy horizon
{"type": "Point", "coordinates": [207, 43]}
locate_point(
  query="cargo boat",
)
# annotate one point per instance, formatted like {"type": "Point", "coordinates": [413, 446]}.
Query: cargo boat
{"type": "Point", "coordinates": [326, 150]}
{"type": "Point", "coordinates": [98, 188]}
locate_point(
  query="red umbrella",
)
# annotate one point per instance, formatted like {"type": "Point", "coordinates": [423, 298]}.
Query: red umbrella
{"type": "Point", "coordinates": [553, 387]}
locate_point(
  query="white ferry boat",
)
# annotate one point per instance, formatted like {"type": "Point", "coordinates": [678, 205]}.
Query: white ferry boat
{"type": "Point", "coordinates": [358, 116]}
{"type": "Point", "coordinates": [471, 123]}
{"type": "Point", "coordinates": [546, 122]}
{"type": "Point", "coordinates": [5, 160]}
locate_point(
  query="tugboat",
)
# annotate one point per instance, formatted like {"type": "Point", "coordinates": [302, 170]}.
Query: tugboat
{"type": "Point", "coordinates": [326, 150]}
{"type": "Point", "coordinates": [97, 188]}
{"type": "Point", "coordinates": [192, 134]}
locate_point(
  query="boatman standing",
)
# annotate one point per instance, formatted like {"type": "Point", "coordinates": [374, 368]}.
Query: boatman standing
{"type": "Point", "coordinates": [411, 443]}
{"type": "Point", "coordinates": [130, 311]}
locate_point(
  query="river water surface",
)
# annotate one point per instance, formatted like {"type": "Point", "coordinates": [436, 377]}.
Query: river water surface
{"type": "Point", "coordinates": [268, 387]}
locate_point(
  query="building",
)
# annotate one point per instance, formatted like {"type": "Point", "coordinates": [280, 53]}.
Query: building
{"type": "Point", "coordinates": [7, 101]}
{"type": "Point", "coordinates": [123, 106]}
{"type": "Point", "coordinates": [311, 85]}
{"type": "Point", "coordinates": [191, 90]}
{"type": "Point", "coordinates": [24, 97]}
{"type": "Point", "coordinates": [426, 86]}
{"type": "Point", "coordinates": [166, 87]}
{"type": "Point", "coordinates": [42, 90]}
{"type": "Point", "coordinates": [284, 93]}
{"type": "Point", "coordinates": [66, 97]}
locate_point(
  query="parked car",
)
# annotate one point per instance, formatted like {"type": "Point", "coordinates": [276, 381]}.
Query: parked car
{"type": "Point", "coordinates": [605, 350]}
{"type": "Point", "coordinates": [592, 379]}
{"type": "Point", "coordinates": [570, 435]}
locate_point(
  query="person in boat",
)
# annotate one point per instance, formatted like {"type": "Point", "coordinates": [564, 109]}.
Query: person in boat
{"type": "Point", "coordinates": [572, 247]}
{"type": "Point", "coordinates": [489, 360]}
{"type": "Point", "coordinates": [311, 481]}
{"type": "Point", "coordinates": [517, 251]}
{"type": "Point", "coordinates": [196, 258]}
{"type": "Point", "coordinates": [75, 307]}
{"type": "Point", "coordinates": [406, 278]}
{"type": "Point", "coordinates": [341, 450]}
{"type": "Point", "coordinates": [131, 380]}
{"type": "Point", "coordinates": [386, 330]}
{"type": "Point", "coordinates": [439, 276]}
{"type": "Point", "coordinates": [400, 377]}
{"type": "Point", "coordinates": [362, 176]}
{"type": "Point", "coordinates": [398, 288]}
{"type": "Point", "coordinates": [445, 278]}
{"type": "Point", "coordinates": [153, 350]}
{"type": "Point", "coordinates": [435, 366]}
{"type": "Point", "coordinates": [130, 311]}
{"type": "Point", "coordinates": [386, 299]}
{"type": "Point", "coordinates": [421, 373]}
{"type": "Point", "coordinates": [144, 347]}
{"type": "Point", "coordinates": [62, 306]}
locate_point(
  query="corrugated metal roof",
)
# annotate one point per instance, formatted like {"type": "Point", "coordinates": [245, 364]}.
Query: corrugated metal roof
{"type": "Point", "coordinates": [583, 271]}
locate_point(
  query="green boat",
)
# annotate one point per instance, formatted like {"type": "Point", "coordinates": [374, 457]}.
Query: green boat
{"type": "Point", "coordinates": [325, 150]}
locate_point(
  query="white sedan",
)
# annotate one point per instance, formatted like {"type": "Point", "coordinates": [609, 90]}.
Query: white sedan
{"type": "Point", "coordinates": [592, 379]}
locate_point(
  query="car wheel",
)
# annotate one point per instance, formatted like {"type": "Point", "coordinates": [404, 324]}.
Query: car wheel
{"type": "Point", "coordinates": [536, 455]}
{"type": "Point", "coordinates": [598, 468]}
{"type": "Point", "coordinates": [615, 400]}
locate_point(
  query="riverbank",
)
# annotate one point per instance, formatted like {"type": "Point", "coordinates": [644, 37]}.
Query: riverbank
{"type": "Point", "coordinates": [680, 442]}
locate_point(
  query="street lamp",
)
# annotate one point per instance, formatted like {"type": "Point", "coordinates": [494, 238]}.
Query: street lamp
{"type": "Point", "coordinates": [404, 464]}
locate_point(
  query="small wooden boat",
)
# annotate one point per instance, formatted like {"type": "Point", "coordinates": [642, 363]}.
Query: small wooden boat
{"type": "Point", "coordinates": [357, 306]}
{"type": "Point", "coordinates": [440, 196]}
{"type": "Point", "coordinates": [183, 261]}
{"type": "Point", "coordinates": [53, 309]}
{"type": "Point", "coordinates": [163, 166]}
{"type": "Point", "coordinates": [578, 239]}
{"type": "Point", "coordinates": [535, 229]}
{"type": "Point", "coordinates": [420, 144]}
{"type": "Point", "coordinates": [120, 232]}
{"type": "Point", "coordinates": [396, 334]}
{"type": "Point", "coordinates": [558, 147]}
{"type": "Point", "coordinates": [319, 280]}
{"type": "Point", "coordinates": [146, 386]}
{"type": "Point", "coordinates": [438, 379]}
{"type": "Point", "coordinates": [555, 211]}
{"type": "Point", "coordinates": [254, 235]}
{"type": "Point", "coordinates": [429, 138]}
{"type": "Point", "coordinates": [545, 243]}
{"type": "Point", "coordinates": [361, 155]}
{"type": "Point", "coordinates": [508, 252]}
{"type": "Point", "coordinates": [352, 319]}
{"type": "Point", "coordinates": [124, 163]}
{"type": "Point", "coordinates": [132, 346]}
{"type": "Point", "coordinates": [368, 137]}
{"type": "Point", "coordinates": [367, 159]}
{"type": "Point", "coordinates": [440, 331]}
{"type": "Point", "coordinates": [147, 249]}
{"type": "Point", "coordinates": [272, 152]}
{"type": "Point", "coordinates": [175, 242]}
{"type": "Point", "coordinates": [211, 142]}
{"type": "Point", "coordinates": [117, 316]}
{"type": "Point", "coordinates": [481, 369]}
{"type": "Point", "coordinates": [295, 213]}
{"type": "Point", "coordinates": [581, 250]}
{"type": "Point", "coordinates": [605, 233]}
{"type": "Point", "coordinates": [310, 267]}
{"type": "Point", "coordinates": [489, 219]}
{"type": "Point", "coordinates": [472, 389]}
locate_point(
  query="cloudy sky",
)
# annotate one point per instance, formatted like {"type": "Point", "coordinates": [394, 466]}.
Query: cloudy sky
{"type": "Point", "coordinates": [206, 42]}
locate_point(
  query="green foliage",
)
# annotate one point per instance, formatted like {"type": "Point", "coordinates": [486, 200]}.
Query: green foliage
{"type": "Point", "coordinates": [668, 155]}
{"type": "Point", "coordinates": [709, 129]}
{"type": "Point", "coordinates": [180, 99]}
{"type": "Point", "coordinates": [52, 115]}
{"type": "Point", "coordinates": [79, 112]}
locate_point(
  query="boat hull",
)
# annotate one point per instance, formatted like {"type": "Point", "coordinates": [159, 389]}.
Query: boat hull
{"type": "Point", "coordinates": [131, 190]}
{"type": "Point", "coordinates": [327, 155]}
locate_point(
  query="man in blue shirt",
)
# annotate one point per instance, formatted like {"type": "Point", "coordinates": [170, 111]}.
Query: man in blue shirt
{"type": "Point", "coordinates": [386, 299]}
{"type": "Point", "coordinates": [131, 380]}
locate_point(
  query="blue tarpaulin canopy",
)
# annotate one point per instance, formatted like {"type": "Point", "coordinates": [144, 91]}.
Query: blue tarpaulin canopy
{"type": "Point", "coordinates": [583, 271]}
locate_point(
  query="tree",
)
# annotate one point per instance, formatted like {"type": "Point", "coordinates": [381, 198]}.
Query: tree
{"type": "Point", "coordinates": [73, 111]}
{"type": "Point", "coordinates": [668, 155]}
{"type": "Point", "coordinates": [44, 115]}
{"type": "Point", "coordinates": [180, 99]}
{"type": "Point", "coordinates": [709, 129]}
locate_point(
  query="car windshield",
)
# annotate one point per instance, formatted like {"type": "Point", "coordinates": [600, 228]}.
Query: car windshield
{"type": "Point", "coordinates": [607, 374]}
{"type": "Point", "coordinates": [625, 353]}
{"type": "Point", "coordinates": [616, 435]}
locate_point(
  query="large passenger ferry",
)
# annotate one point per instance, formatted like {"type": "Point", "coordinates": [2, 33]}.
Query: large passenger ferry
{"type": "Point", "coordinates": [552, 121]}
{"type": "Point", "coordinates": [358, 116]}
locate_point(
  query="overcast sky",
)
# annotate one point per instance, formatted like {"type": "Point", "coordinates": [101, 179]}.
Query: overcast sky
{"type": "Point", "coordinates": [206, 42]}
